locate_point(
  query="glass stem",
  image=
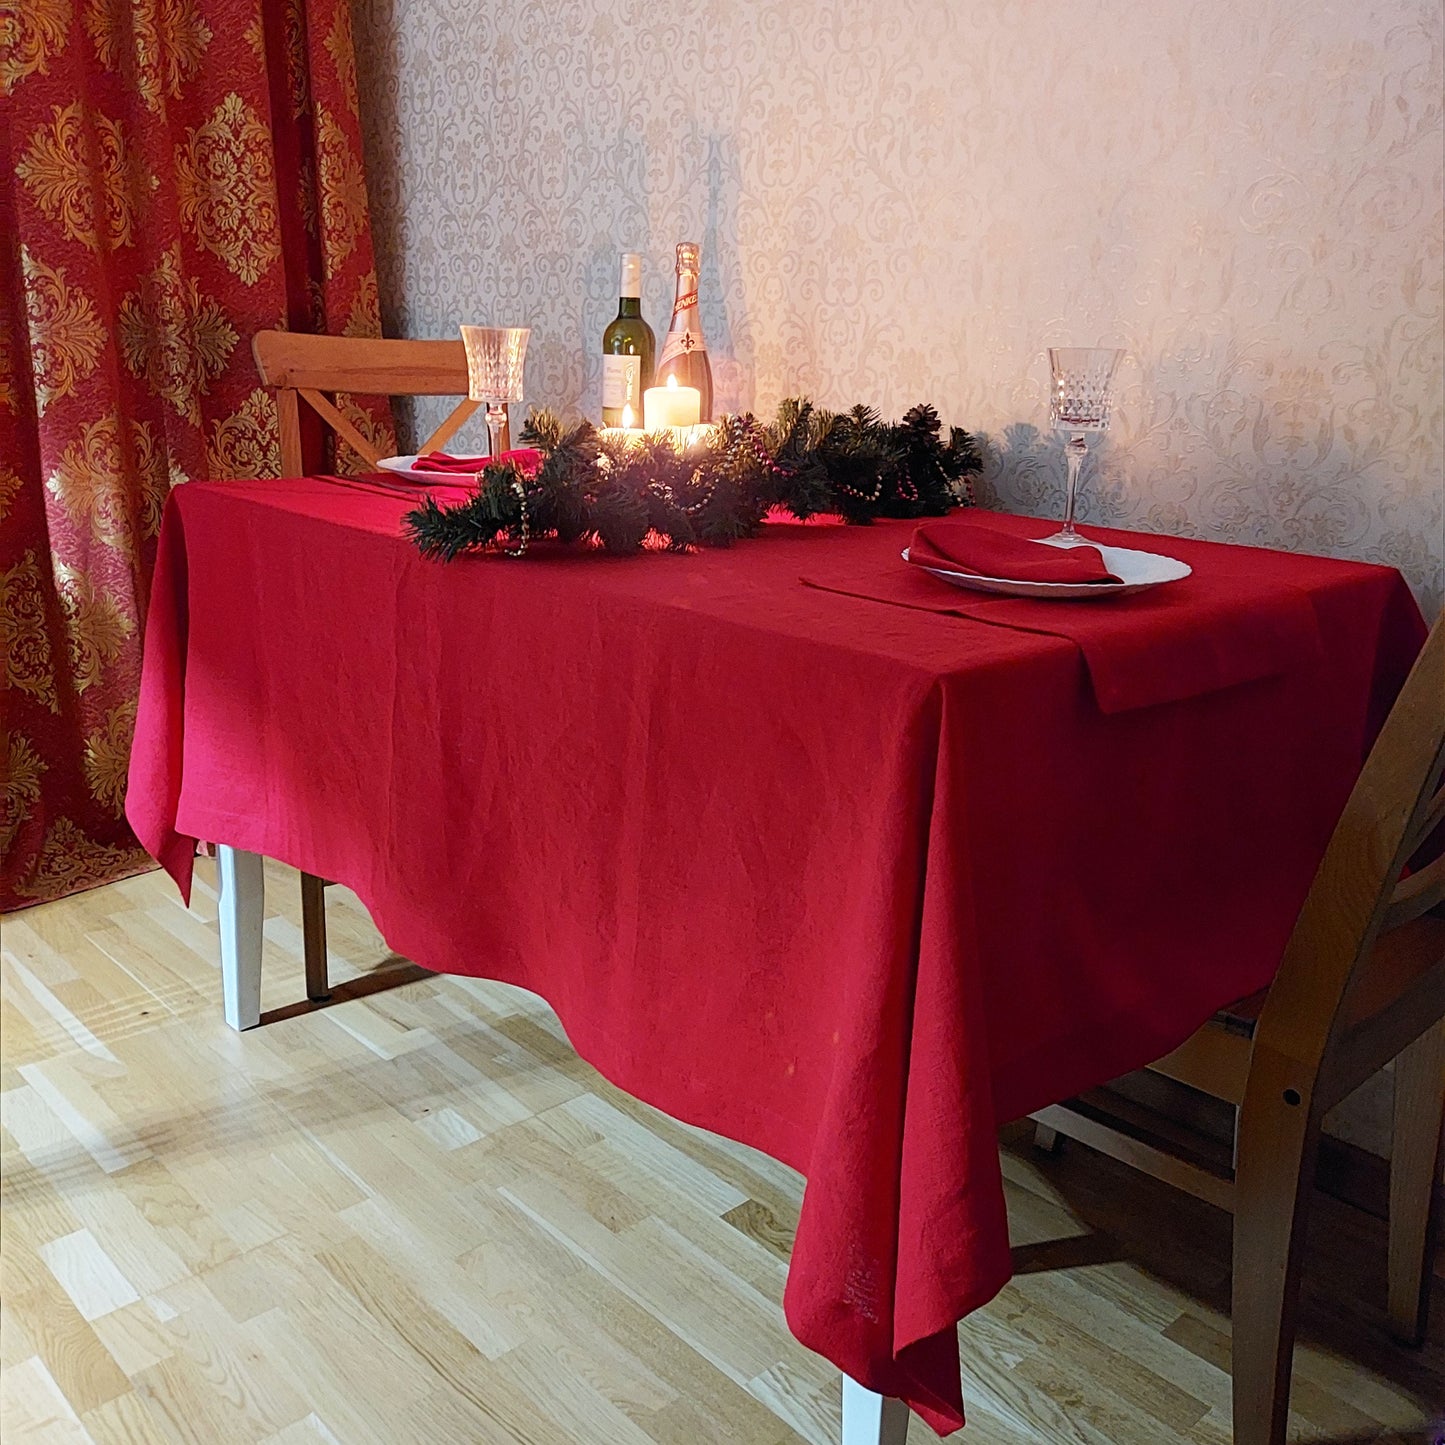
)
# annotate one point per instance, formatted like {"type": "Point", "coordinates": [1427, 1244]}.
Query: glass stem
{"type": "Point", "coordinates": [1075, 450]}
{"type": "Point", "coordinates": [497, 427]}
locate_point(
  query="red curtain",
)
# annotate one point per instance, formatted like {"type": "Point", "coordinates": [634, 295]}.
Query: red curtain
{"type": "Point", "coordinates": [179, 175]}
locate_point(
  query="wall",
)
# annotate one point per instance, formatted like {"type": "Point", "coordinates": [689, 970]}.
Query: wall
{"type": "Point", "coordinates": [911, 200]}
{"type": "Point", "coordinates": [908, 200]}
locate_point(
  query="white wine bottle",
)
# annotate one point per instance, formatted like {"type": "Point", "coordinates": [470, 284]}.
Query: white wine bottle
{"type": "Point", "coordinates": [684, 352]}
{"type": "Point", "coordinates": [628, 346]}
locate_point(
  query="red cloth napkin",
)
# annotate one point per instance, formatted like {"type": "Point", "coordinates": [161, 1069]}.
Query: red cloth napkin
{"type": "Point", "coordinates": [957, 544]}
{"type": "Point", "coordinates": [528, 458]}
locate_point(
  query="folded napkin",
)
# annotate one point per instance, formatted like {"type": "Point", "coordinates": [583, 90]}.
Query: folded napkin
{"type": "Point", "coordinates": [528, 458]}
{"type": "Point", "coordinates": [957, 544]}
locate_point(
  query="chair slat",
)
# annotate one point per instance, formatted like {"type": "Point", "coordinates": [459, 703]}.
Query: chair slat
{"type": "Point", "coordinates": [1432, 816]}
{"type": "Point", "coordinates": [1214, 1060]}
{"type": "Point", "coordinates": [1416, 894]}
{"type": "Point", "coordinates": [340, 425]}
{"type": "Point", "coordinates": [1139, 1153]}
{"type": "Point", "coordinates": [1366, 1047]}
{"type": "Point", "coordinates": [361, 364]}
{"type": "Point", "coordinates": [288, 417]}
{"type": "Point", "coordinates": [449, 428]}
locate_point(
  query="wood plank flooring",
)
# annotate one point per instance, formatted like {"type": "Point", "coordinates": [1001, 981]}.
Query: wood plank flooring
{"type": "Point", "coordinates": [418, 1217]}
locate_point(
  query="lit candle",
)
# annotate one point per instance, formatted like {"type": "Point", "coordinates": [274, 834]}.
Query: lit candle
{"type": "Point", "coordinates": [671, 405]}
{"type": "Point", "coordinates": [629, 432]}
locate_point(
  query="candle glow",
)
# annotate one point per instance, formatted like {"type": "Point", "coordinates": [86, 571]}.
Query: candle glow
{"type": "Point", "coordinates": [671, 405]}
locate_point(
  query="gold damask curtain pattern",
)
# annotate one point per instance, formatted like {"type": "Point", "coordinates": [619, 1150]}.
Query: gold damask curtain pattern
{"type": "Point", "coordinates": [179, 175]}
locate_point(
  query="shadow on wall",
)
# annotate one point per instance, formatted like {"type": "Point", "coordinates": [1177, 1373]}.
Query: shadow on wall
{"type": "Point", "coordinates": [1024, 471]}
{"type": "Point", "coordinates": [378, 65]}
{"type": "Point", "coordinates": [728, 336]}
{"type": "Point", "coordinates": [1228, 495]}
{"type": "Point", "coordinates": [632, 230]}
{"type": "Point", "coordinates": [1259, 450]}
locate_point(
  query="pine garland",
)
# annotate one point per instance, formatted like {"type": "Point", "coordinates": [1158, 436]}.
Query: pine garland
{"type": "Point", "coordinates": [619, 495]}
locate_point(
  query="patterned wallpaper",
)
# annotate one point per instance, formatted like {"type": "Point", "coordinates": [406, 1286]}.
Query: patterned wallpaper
{"type": "Point", "coordinates": [912, 199]}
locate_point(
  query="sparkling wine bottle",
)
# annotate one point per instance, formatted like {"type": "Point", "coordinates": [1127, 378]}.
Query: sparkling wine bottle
{"type": "Point", "coordinates": [684, 352]}
{"type": "Point", "coordinates": [628, 346]}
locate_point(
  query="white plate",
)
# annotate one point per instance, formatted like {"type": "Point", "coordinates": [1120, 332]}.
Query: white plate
{"type": "Point", "coordinates": [407, 467]}
{"type": "Point", "coordinates": [1137, 571]}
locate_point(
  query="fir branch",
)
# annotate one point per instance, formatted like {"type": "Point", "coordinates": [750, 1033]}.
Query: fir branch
{"type": "Point", "coordinates": [542, 429]}
{"type": "Point", "coordinates": [495, 508]}
{"type": "Point", "coordinates": [616, 493]}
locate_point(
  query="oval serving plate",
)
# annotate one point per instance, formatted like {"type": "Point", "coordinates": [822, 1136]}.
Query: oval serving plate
{"type": "Point", "coordinates": [1138, 572]}
{"type": "Point", "coordinates": [407, 467]}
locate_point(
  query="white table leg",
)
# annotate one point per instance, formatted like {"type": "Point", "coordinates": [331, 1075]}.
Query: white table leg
{"type": "Point", "coordinates": [242, 912]}
{"type": "Point", "coordinates": [870, 1419]}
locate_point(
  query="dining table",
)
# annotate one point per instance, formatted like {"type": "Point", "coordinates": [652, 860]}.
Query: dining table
{"type": "Point", "coordinates": [803, 846]}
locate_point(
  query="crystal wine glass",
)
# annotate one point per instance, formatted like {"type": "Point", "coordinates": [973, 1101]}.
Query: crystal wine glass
{"type": "Point", "coordinates": [495, 358]}
{"type": "Point", "coordinates": [1081, 401]}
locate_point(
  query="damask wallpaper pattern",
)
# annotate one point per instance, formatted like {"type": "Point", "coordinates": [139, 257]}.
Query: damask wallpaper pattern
{"type": "Point", "coordinates": [913, 199]}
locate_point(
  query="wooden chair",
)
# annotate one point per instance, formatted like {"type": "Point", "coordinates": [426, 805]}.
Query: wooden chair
{"type": "Point", "coordinates": [1362, 983]}
{"type": "Point", "coordinates": [306, 368]}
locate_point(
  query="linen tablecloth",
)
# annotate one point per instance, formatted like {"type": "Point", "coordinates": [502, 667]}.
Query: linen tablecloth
{"type": "Point", "coordinates": [850, 882]}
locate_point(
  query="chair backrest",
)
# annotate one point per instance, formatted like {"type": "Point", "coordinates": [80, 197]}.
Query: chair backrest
{"type": "Point", "coordinates": [1364, 971]}
{"type": "Point", "coordinates": [305, 367]}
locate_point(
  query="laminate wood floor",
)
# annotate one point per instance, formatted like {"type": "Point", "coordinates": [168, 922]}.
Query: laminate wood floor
{"type": "Point", "coordinates": [419, 1217]}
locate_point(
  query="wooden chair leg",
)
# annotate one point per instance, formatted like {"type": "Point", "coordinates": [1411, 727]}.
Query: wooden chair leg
{"type": "Point", "coordinates": [1414, 1168]}
{"type": "Point", "coordinates": [313, 937]}
{"type": "Point", "coordinates": [1273, 1183]}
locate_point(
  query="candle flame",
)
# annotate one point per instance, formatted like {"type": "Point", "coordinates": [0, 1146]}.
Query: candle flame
{"type": "Point", "coordinates": [671, 380]}
{"type": "Point", "coordinates": [627, 418]}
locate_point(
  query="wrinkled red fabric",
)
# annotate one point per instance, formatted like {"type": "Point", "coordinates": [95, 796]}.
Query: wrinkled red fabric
{"type": "Point", "coordinates": [851, 883]}
{"type": "Point", "coordinates": [961, 544]}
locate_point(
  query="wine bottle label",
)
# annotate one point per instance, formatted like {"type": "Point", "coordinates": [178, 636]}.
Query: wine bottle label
{"type": "Point", "coordinates": [622, 383]}
{"type": "Point", "coordinates": [678, 343]}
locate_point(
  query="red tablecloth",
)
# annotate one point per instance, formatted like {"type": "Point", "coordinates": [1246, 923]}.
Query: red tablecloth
{"type": "Point", "coordinates": [850, 882]}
